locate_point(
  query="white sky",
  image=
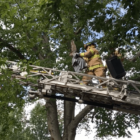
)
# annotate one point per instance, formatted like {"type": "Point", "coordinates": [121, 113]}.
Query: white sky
{"type": "Point", "coordinates": [82, 135]}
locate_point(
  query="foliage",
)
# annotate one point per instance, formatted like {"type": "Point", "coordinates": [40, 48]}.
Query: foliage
{"type": "Point", "coordinates": [114, 123]}
{"type": "Point", "coordinates": [38, 123]}
{"type": "Point", "coordinates": [39, 32]}
{"type": "Point", "coordinates": [35, 128]}
{"type": "Point", "coordinates": [11, 102]}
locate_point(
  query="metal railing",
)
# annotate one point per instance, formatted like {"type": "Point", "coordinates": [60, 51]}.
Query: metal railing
{"type": "Point", "coordinates": [48, 82]}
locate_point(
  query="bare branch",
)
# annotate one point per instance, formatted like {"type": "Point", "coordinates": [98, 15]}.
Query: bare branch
{"type": "Point", "coordinates": [74, 123]}
{"type": "Point", "coordinates": [78, 31]}
{"type": "Point", "coordinates": [73, 48]}
{"type": "Point", "coordinates": [41, 57]}
{"type": "Point", "coordinates": [81, 115]}
{"type": "Point", "coordinates": [45, 41]}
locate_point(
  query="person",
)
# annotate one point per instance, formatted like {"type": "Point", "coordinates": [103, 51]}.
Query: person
{"type": "Point", "coordinates": [94, 62]}
{"type": "Point", "coordinates": [119, 55]}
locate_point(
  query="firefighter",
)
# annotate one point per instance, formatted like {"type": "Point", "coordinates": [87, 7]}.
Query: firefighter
{"type": "Point", "coordinates": [94, 62]}
{"type": "Point", "coordinates": [119, 55]}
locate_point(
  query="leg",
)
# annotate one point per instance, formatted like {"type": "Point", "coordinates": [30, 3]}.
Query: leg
{"type": "Point", "coordinates": [100, 73]}
{"type": "Point", "coordinates": [85, 79]}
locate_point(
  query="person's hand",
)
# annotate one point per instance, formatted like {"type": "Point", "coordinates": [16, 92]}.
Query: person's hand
{"type": "Point", "coordinates": [76, 55]}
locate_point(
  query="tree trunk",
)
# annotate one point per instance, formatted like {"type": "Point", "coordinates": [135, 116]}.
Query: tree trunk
{"type": "Point", "coordinates": [52, 119]}
{"type": "Point", "coordinates": [74, 123]}
{"type": "Point", "coordinates": [69, 110]}
{"type": "Point", "coordinates": [72, 134]}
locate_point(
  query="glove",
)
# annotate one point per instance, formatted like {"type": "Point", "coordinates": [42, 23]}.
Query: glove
{"type": "Point", "coordinates": [76, 55]}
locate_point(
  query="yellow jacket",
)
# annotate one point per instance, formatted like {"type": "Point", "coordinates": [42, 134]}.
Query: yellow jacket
{"type": "Point", "coordinates": [92, 57]}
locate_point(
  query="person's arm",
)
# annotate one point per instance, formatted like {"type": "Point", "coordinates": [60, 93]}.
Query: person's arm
{"type": "Point", "coordinates": [88, 53]}
{"type": "Point", "coordinates": [85, 58]}
{"type": "Point", "coordinates": [119, 55]}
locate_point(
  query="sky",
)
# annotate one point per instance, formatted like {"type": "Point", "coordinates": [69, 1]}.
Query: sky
{"type": "Point", "coordinates": [82, 135]}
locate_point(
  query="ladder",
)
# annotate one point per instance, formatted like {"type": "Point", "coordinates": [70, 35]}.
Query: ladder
{"type": "Point", "coordinates": [65, 85]}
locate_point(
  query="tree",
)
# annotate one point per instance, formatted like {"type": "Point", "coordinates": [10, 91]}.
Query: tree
{"type": "Point", "coordinates": [35, 128]}
{"type": "Point", "coordinates": [11, 102]}
{"type": "Point", "coordinates": [38, 122]}
{"type": "Point", "coordinates": [35, 31]}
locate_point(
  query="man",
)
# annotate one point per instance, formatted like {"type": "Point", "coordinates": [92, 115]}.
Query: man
{"type": "Point", "coordinates": [118, 54]}
{"type": "Point", "coordinates": [94, 62]}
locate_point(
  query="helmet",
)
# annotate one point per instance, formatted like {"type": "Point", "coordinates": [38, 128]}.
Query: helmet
{"type": "Point", "coordinates": [89, 44]}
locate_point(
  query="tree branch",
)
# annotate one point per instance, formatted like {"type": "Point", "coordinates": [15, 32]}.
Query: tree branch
{"type": "Point", "coordinates": [10, 47]}
{"type": "Point", "coordinates": [74, 123]}
{"type": "Point", "coordinates": [81, 115]}
{"type": "Point", "coordinates": [45, 41]}
{"type": "Point", "coordinates": [78, 31]}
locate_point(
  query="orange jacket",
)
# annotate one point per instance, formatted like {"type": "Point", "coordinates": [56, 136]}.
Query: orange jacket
{"type": "Point", "coordinates": [92, 57]}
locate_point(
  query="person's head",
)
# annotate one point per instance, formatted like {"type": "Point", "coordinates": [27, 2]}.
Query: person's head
{"type": "Point", "coordinates": [89, 45]}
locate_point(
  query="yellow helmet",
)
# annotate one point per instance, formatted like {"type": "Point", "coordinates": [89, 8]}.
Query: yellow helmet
{"type": "Point", "coordinates": [89, 44]}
